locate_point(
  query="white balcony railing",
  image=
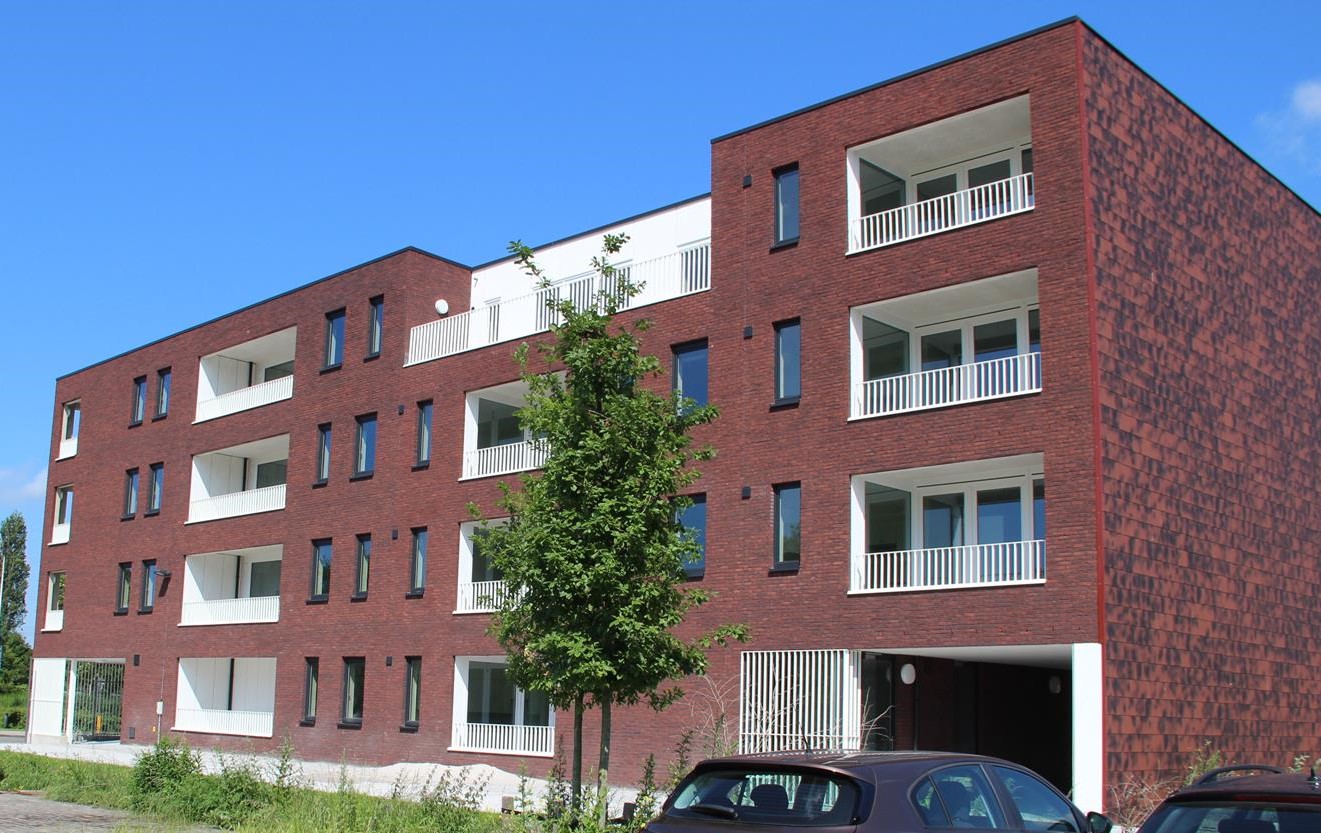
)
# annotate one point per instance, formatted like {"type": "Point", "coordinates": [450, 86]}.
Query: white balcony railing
{"type": "Point", "coordinates": [976, 565]}
{"type": "Point", "coordinates": [232, 505]}
{"type": "Point", "coordinates": [504, 739]}
{"type": "Point", "coordinates": [503, 459]}
{"type": "Point", "coordinates": [68, 448]}
{"type": "Point", "coordinates": [54, 620]}
{"type": "Point", "coordinates": [681, 273]}
{"type": "Point", "coordinates": [481, 596]}
{"type": "Point", "coordinates": [961, 208]}
{"type": "Point", "coordinates": [225, 722]}
{"type": "Point", "coordinates": [231, 611]}
{"type": "Point", "coordinates": [59, 533]}
{"type": "Point", "coordinates": [996, 379]}
{"type": "Point", "coordinates": [253, 396]}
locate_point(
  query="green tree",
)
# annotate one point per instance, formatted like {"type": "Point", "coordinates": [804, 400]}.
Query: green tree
{"type": "Point", "coordinates": [17, 662]}
{"type": "Point", "coordinates": [593, 552]}
{"type": "Point", "coordinates": [14, 586]}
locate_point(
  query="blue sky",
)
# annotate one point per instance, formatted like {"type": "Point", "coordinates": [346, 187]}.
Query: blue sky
{"type": "Point", "coordinates": [168, 162]}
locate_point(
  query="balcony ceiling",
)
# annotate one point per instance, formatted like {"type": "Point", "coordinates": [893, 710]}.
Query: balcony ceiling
{"type": "Point", "coordinates": [957, 473]}
{"type": "Point", "coordinates": [958, 301]}
{"type": "Point", "coordinates": [275, 345]}
{"type": "Point", "coordinates": [273, 552]}
{"type": "Point", "coordinates": [965, 136]}
{"type": "Point", "coordinates": [271, 448]}
{"type": "Point", "coordinates": [1036, 656]}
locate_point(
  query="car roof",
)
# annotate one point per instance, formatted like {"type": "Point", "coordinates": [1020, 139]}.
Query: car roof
{"type": "Point", "coordinates": [896, 762]}
{"type": "Point", "coordinates": [1302, 786]}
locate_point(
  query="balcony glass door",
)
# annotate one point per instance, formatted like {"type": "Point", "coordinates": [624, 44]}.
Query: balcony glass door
{"type": "Point", "coordinates": [942, 521]}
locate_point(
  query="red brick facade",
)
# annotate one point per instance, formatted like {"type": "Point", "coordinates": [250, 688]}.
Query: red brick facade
{"type": "Point", "coordinates": [1177, 432]}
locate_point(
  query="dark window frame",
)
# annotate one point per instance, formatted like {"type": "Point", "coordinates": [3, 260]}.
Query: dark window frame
{"type": "Point", "coordinates": [164, 378]}
{"type": "Point", "coordinates": [375, 326]}
{"type": "Point", "coordinates": [778, 562]}
{"type": "Point", "coordinates": [364, 464]}
{"type": "Point", "coordinates": [346, 720]}
{"type": "Point", "coordinates": [317, 544]}
{"type": "Point", "coordinates": [701, 345]}
{"type": "Point", "coordinates": [423, 441]}
{"type": "Point", "coordinates": [362, 566]}
{"type": "Point", "coordinates": [155, 489]}
{"type": "Point", "coordinates": [781, 396]}
{"type": "Point", "coordinates": [323, 450]}
{"type": "Point", "coordinates": [412, 694]}
{"type": "Point", "coordinates": [132, 482]}
{"type": "Point", "coordinates": [147, 591]}
{"type": "Point", "coordinates": [417, 562]}
{"type": "Point", "coordinates": [696, 569]}
{"type": "Point", "coordinates": [123, 587]}
{"type": "Point", "coordinates": [311, 688]}
{"type": "Point", "coordinates": [779, 176]}
{"type": "Point", "coordinates": [138, 411]}
{"type": "Point", "coordinates": [332, 353]}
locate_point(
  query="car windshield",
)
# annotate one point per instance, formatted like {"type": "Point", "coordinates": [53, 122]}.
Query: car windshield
{"type": "Point", "coordinates": [1235, 817]}
{"type": "Point", "coordinates": [764, 796]}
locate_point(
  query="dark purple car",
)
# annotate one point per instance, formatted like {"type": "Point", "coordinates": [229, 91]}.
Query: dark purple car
{"type": "Point", "coordinates": [862, 792]}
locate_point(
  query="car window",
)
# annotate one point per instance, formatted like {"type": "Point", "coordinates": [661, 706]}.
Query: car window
{"type": "Point", "coordinates": [1235, 817]}
{"type": "Point", "coordinates": [791, 799]}
{"type": "Point", "coordinates": [958, 797]}
{"type": "Point", "coordinates": [1040, 807]}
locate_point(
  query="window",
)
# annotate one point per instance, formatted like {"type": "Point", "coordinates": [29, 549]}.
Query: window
{"type": "Point", "coordinates": [996, 511]}
{"type": "Point", "coordinates": [72, 419]}
{"type": "Point", "coordinates": [147, 598]}
{"type": "Point", "coordinates": [693, 520]}
{"type": "Point", "coordinates": [417, 572]}
{"type": "Point", "coordinates": [63, 514]}
{"type": "Point", "coordinates": [310, 674]}
{"type": "Point", "coordinates": [277, 371]}
{"type": "Point", "coordinates": [334, 356]}
{"type": "Point", "coordinates": [1040, 807]}
{"type": "Point", "coordinates": [130, 493]}
{"type": "Point", "coordinates": [423, 433]}
{"type": "Point", "coordinates": [321, 555]}
{"type": "Point", "coordinates": [494, 699]}
{"type": "Point", "coordinates": [162, 392]}
{"type": "Point", "coordinates": [139, 400]}
{"type": "Point", "coordinates": [788, 525]}
{"type": "Point", "coordinates": [272, 473]}
{"type": "Point", "coordinates": [354, 670]}
{"type": "Point", "coordinates": [958, 796]}
{"type": "Point", "coordinates": [265, 578]}
{"type": "Point", "coordinates": [54, 602]}
{"type": "Point", "coordinates": [786, 204]}
{"type": "Point", "coordinates": [124, 588]}
{"type": "Point", "coordinates": [690, 371]}
{"type": "Point", "coordinates": [323, 452]}
{"type": "Point", "coordinates": [375, 320]}
{"type": "Point", "coordinates": [364, 455]}
{"type": "Point", "coordinates": [788, 361]}
{"type": "Point", "coordinates": [412, 691]}
{"type": "Point", "coordinates": [364, 566]}
{"type": "Point", "coordinates": [764, 796]}
{"type": "Point", "coordinates": [155, 488]}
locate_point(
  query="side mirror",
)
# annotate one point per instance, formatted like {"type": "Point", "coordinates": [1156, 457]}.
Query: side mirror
{"type": "Point", "coordinates": [1097, 823]}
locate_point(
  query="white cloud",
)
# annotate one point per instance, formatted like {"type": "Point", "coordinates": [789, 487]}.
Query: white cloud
{"type": "Point", "coordinates": [1295, 131]}
{"type": "Point", "coordinates": [21, 485]}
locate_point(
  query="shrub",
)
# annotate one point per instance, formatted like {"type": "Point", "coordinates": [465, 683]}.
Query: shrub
{"type": "Point", "coordinates": [160, 772]}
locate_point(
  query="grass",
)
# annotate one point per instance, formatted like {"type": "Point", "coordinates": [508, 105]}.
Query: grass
{"type": "Point", "coordinates": [13, 701]}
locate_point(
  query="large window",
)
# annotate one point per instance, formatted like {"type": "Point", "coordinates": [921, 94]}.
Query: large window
{"type": "Point", "coordinates": [130, 493]}
{"type": "Point", "coordinates": [272, 473]}
{"type": "Point", "coordinates": [124, 588]}
{"type": "Point", "coordinates": [788, 361]}
{"type": "Point", "coordinates": [693, 520]}
{"type": "Point", "coordinates": [139, 401]}
{"type": "Point", "coordinates": [147, 598]}
{"type": "Point", "coordinates": [690, 371]}
{"type": "Point", "coordinates": [321, 555]}
{"type": "Point", "coordinates": [323, 452]}
{"type": "Point", "coordinates": [162, 392]}
{"type": "Point", "coordinates": [334, 353]}
{"type": "Point", "coordinates": [417, 572]}
{"type": "Point", "coordinates": [364, 561]}
{"type": "Point", "coordinates": [412, 692]}
{"type": "Point", "coordinates": [311, 673]}
{"type": "Point", "coordinates": [364, 447]}
{"type": "Point", "coordinates": [155, 488]}
{"type": "Point", "coordinates": [786, 204]}
{"type": "Point", "coordinates": [355, 669]}
{"type": "Point", "coordinates": [941, 516]}
{"type": "Point", "coordinates": [375, 325]}
{"type": "Point", "coordinates": [493, 698]}
{"type": "Point", "coordinates": [788, 525]}
{"type": "Point", "coordinates": [423, 433]}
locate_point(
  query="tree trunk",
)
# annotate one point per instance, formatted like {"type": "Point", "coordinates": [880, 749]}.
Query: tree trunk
{"type": "Point", "coordinates": [603, 767]}
{"type": "Point", "coordinates": [576, 797]}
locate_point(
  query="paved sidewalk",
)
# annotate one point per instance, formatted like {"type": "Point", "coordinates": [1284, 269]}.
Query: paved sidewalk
{"type": "Point", "coordinates": [33, 814]}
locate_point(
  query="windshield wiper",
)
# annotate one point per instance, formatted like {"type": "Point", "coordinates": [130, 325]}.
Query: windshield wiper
{"type": "Point", "coordinates": [723, 811]}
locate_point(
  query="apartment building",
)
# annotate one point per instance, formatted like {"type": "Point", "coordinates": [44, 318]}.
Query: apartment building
{"type": "Point", "coordinates": [1012, 456]}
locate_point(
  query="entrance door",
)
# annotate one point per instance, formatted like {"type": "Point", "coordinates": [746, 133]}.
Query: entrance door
{"type": "Point", "coordinates": [98, 700]}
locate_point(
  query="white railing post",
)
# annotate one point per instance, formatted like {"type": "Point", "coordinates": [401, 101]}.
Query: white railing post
{"type": "Point", "coordinates": [996, 379]}
{"type": "Point", "coordinates": [951, 211]}
{"type": "Point", "coordinates": [974, 565]}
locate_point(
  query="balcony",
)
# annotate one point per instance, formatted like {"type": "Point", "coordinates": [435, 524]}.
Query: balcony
{"type": "Point", "coordinates": [226, 696]}
{"type": "Point", "coordinates": [965, 525]}
{"type": "Point", "coordinates": [684, 272]}
{"type": "Point", "coordinates": [504, 739]}
{"type": "Point", "coordinates": [967, 169]}
{"type": "Point", "coordinates": [946, 568]}
{"type": "Point", "coordinates": [246, 376]}
{"type": "Point", "coordinates": [957, 345]}
{"type": "Point", "coordinates": [494, 441]}
{"type": "Point", "coordinates": [503, 459]}
{"type": "Point", "coordinates": [239, 480]}
{"type": "Point", "coordinates": [232, 588]}
{"type": "Point", "coordinates": [481, 596]}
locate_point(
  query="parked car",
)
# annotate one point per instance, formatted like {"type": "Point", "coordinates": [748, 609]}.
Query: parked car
{"type": "Point", "coordinates": [867, 792]}
{"type": "Point", "coordinates": [1227, 800]}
